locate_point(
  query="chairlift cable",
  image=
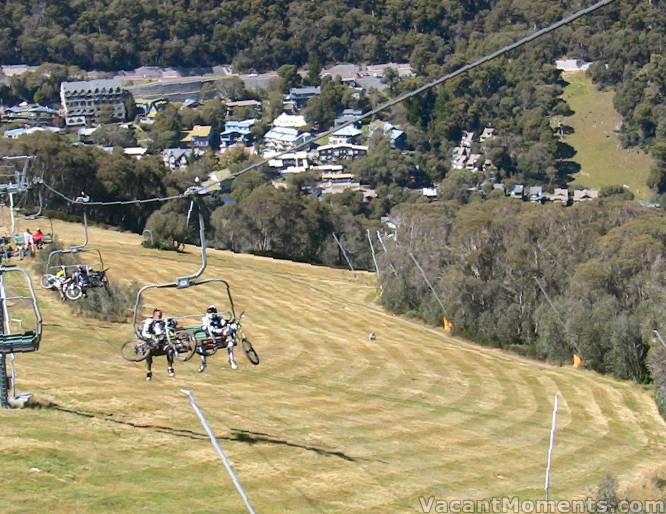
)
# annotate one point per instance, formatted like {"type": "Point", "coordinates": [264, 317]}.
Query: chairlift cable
{"type": "Point", "coordinates": [201, 191]}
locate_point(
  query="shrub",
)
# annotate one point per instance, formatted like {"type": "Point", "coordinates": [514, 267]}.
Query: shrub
{"type": "Point", "coordinates": [114, 303]}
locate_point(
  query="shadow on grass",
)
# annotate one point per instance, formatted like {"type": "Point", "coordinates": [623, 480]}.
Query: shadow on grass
{"type": "Point", "coordinates": [566, 169]}
{"type": "Point", "coordinates": [237, 435]}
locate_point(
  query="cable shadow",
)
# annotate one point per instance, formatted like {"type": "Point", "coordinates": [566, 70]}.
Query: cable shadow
{"type": "Point", "coordinates": [238, 435]}
{"type": "Point", "coordinates": [177, 432]}
{"type": "Point", "coordinates": [251, 438]}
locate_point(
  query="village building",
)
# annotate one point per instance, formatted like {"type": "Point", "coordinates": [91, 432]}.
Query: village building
{"type": "Point", "coordinates": [340, 151]}
{"type": "Point", "coordinates": [199, 139]}
{"type": "Point", "coordinates": [85, 99]}
{"type": "Point", "coordinates": [280, 139]}
{"type": "Point", "coordinates": [177, 158]}
{"type": "Point", "coordinates": [237, 133]}
{"type": "Point", "coordinates": [285, 120]}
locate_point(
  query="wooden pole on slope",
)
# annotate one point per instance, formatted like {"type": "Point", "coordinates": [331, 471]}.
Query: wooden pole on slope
{"type": "Point", "coordinates": [572, 340]}
{"type": "Point", "coordinates": [425, 277]}
{"type": "Point", "coordinates": [552, 444]}
{"type": "Point", "coordinates": [4, 380]}
{"type": "Point", "coordinates": [344, 252]}
{"type": "Point", "coordinates": [374, 257]}
{"type": "Point", "coordinates": [381, 242]}
{"type": "Point", "coordinates": [661, 339]}
{"type": "Point", "coordinates": [219, 451]}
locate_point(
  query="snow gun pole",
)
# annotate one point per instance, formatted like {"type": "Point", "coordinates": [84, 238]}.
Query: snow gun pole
{"type": "Point", "coordinates": [219, 451]}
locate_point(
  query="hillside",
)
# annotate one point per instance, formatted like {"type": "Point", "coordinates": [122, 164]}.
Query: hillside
{"type": "Point", "coordinates": [327, 423]}
{"type": "Point", "coordinates": [602, 159]}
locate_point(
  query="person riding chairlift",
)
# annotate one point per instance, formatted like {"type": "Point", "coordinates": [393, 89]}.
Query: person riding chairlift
{"type": "Point", "coordinates": [38, 238]}
{"type": "Point", "coordinates": [220, 331]}
{"type": "Point", "coordinates": [154, 332]}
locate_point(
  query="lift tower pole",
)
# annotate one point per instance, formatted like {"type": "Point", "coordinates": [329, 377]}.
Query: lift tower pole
{"type": "Point", "coordinates": [4, 380]}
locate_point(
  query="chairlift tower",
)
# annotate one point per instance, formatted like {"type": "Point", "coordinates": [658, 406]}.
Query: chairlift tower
{"type": "Point", "coordinates": [14, 178]}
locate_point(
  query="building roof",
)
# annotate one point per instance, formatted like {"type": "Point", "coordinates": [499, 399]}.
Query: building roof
{"type": "Point", "coordinates": [27, 131]}
{"type": "Point", "coordinates": [176, 153]}
{"type": "Point", "coordinates": [290, 120]}
{"type": "Point", "coordinates": [338, 176]}
{"type": "Point", "coordinates": [284, 134]}
{"type": "Point", "coordinates": [198, 131]}
{"type": "Point", "coordinates": [342, 145]}
{"type": "Point", "coordinates": [585, 194]}
{"type": "Point", "coordinates": [243, 103]}
{"type": "Point", "coordinates": [487, 133]}
{"type": "Point", "coordinates": [304, 91]}
{"type": "Point", "coordinates": [348, 131]}
{"type": "Point", "coordinates": [91, 85]}
{"type": "Point", "coordinates": [135, 151]}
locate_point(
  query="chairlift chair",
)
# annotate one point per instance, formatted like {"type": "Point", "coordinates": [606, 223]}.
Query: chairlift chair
{"type": "Point", "coordinates": [188, 281]}
{"type": "Point", "coordinates": [56, 263]}
{"type": "Point", "coordinates": [11, 341]}
{"type": "Point", "coordinates": [21, 341]}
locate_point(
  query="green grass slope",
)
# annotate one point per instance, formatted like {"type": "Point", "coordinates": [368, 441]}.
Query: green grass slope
{"type": "Point", "coordinates": [602, 159]}
{"type": "Point", "coordinates": [328, 422]}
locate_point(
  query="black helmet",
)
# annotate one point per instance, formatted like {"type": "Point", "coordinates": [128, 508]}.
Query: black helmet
{"type": "Point", "coordinates": [211, 309]}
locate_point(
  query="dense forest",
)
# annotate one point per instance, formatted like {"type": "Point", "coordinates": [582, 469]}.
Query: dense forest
{"type": "Point", "coordinates": [601, 263]}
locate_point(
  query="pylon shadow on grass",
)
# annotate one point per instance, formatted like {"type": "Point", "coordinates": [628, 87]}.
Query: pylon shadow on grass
{"type": "Point", "coordinates": [238, 435]}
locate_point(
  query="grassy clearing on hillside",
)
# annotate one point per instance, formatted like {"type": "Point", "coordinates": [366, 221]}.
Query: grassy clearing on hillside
{"type": "Point", "coordinates": [326, 423]}
{"type": "Point", "coordinates": [602, 159]}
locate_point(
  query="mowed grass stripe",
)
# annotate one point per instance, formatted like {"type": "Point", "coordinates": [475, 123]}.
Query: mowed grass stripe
{"type": "Point", "coordinates": [327, 423]}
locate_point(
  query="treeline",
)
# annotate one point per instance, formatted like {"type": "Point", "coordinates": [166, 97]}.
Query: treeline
{"type": "Point", "coordinates": [601, 263]}
{"type": "Point", "coordinates": [253, 216]}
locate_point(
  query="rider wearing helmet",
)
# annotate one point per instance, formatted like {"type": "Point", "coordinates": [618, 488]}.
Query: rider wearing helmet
{"type": "Point", "coordinates": [154, 332]}
{"type": "Point", "coordinates": [220, 331]}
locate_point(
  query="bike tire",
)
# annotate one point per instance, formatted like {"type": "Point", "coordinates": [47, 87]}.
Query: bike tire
{"type": "Point", "coordinates": [184, 347]}
{"type": "Point", "coordinates": [48, 281]}
{"type": "Point", "coordinates": [250, 352]}
{"type": "Point", "coordinates": [73, 292]}
{"type": "Point", "coordinates": [135, 350]}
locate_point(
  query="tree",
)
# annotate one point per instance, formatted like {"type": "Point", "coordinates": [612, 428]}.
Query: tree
{"type": "Point", "coordinates": [383, 165]}
{"type": "Point", "coordinates": [112, 135]}
{"type": "Point", "coordinates": [106, 114]}
{"type": "Point", "coordinates": [289, 76]}
{"type": "Point", "coordinates": [169, 227]}
{"type": "Point", "coordinates": [232, 88]}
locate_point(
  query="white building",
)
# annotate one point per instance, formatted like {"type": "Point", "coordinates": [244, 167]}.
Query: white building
{"type": "Point", "coordinates": [295, 162]}
{"type": "Point", "coordinates": [290, 120]}
{"type": "Point", "coordinates": [340, 151]}
{"type": "Point", "coordinates": [348, 135]}
{"type": "Point", "coordinates": [280, 139]}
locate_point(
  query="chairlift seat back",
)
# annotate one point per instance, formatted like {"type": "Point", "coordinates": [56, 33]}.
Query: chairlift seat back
{"type": "Point", "coordinates": [19, 343]}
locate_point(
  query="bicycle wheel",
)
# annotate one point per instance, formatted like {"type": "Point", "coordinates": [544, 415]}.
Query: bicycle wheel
{"type": "Point", "coordinates": [73, 292]}
{"type": "Point", "coordinates": [48, 281]}
{"type": "Point", "coordinates": [134, 350]}
{"type": "Point", "coordinates": [184, 346]}
{"type": "Point", "coordinates": [250, 352]}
